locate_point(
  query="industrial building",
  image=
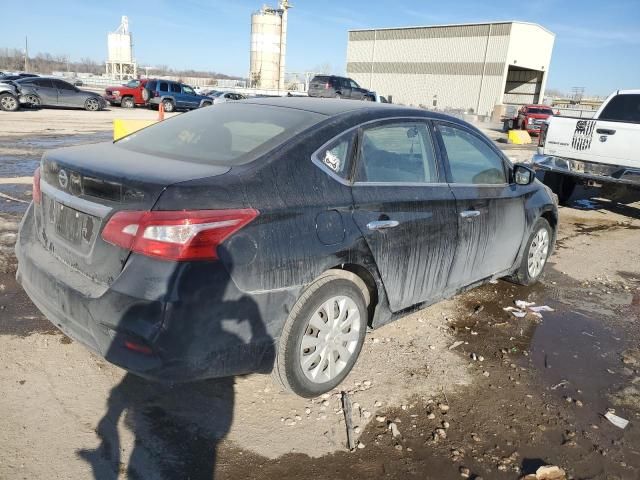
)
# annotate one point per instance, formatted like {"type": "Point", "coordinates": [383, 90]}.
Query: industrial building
{"type": "Point", "coordinates": [120, 62]}
{"type": "Point", "coordinates": [268, 47]}
{"type": "Point", "coordinates": [470, 67]}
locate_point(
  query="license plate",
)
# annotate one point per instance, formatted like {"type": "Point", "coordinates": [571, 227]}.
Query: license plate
{"type": "Point", "coordinates": [69, 223]}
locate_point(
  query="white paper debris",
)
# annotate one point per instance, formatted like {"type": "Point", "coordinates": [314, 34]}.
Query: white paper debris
{"type": "Point", "coordinates": [516, 312]}
{"type": "Point", "coordinates": [456, 344]}
{"type": "Point", "coordinates": [616, 420]}
{"type": "Point", "coordinates": [542, 308]}
{"type": "Point", "coordinates": [522, 304]}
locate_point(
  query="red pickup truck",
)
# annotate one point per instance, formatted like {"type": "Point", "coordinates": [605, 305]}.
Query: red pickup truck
{"type": "Point", "coordinates": [128, 95]}
{"type": "Point", "coordinates": [529, 118]}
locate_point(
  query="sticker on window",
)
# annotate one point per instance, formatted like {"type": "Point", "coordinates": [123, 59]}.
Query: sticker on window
{"type": "Point", "coordinates": [332, 161]}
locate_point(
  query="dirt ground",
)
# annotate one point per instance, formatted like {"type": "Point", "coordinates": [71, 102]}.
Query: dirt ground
{"type": "Point", "coordinates": [471, 390]}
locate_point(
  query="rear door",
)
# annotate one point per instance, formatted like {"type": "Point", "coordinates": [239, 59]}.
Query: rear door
{"type": "Point", "coordinates": [405, 210]}
{"type": "Point", "coordinates": [175, 90]}
{"type": "Point", "coordinates": [45, 89]}
{"type": "Point", "coordinates": [68, 95]}
{"type": "Point", "coordinates": [356, 92]}
{"type": "Point", "coordinates": [490, 211]}
{"type": "Point", "coordinates": [616, 136]}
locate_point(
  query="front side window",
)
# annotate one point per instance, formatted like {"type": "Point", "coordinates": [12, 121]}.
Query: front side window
{"type": "Point", "coordinates": [175, 88]}
{"type": "Point", "coordinates": [623, 108]}
{"type": "Point", "coordinates": [336, 156]}
{"type": "Point", "coordinates": [187, 89]}
{"type": "Point", "coordinates": [397, 153]}
{"type": "Point", "coordinates": [354, 84]}
{"type": "Point", "coordinates": [63, 85]}
{"type": "Point", "coordinates": [471, 160]}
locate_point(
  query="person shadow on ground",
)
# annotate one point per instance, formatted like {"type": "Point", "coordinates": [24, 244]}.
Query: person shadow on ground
{"type": "Point", "coordinates": [177, 427]}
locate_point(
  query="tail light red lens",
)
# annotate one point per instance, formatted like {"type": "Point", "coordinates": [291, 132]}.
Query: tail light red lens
{"type": "Point", "coordinates": [37, 193]}
{"type": "Point", "coordinates": [176, 235]}
{"type": "Point", "coordinates": [326, 86]}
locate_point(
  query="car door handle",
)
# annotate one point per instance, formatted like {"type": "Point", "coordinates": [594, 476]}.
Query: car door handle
{"type": "Point", "coordinates": [470, 213]}
{"type": "Point", "coordinates": [382, 224]}
{"type": "Point", "coordinates": [605, 131]}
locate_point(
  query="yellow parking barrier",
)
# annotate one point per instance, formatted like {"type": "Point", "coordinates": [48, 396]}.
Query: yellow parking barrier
{"type": "Point", "coordinates": [122, 128]}
{"type": "Point", "coordinates": [519, 137]}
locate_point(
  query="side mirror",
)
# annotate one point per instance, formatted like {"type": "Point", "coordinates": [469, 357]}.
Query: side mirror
{"type": "Point", "coordinates": [523, 175]}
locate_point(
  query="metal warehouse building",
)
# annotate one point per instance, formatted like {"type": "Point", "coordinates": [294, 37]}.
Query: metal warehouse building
{"type": "Point", "coordinates": [472, 67]}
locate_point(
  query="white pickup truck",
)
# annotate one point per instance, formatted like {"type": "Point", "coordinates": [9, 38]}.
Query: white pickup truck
{"type": "Point", "coordinates": [603, 151]}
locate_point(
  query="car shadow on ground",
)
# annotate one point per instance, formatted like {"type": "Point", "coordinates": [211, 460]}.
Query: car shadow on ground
{"type": "Point", "coordinates": [177, 427]}
{"type": "Point", "coordinates": [584, 198]}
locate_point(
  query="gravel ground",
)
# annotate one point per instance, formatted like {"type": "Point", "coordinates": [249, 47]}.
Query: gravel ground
{"type": "Point", "coordinates": [511, 395]}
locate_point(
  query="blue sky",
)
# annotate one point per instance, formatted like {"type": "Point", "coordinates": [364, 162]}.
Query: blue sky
{"type": "Point", "coordinates": [597, 42]}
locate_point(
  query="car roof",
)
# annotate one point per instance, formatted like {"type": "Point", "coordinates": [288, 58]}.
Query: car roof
{"type": "Point", "coordinates": [331, 107]}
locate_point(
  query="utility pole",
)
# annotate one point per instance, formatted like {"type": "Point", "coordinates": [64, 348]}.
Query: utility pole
{"type": "Point", "coordinates": [26, 54]}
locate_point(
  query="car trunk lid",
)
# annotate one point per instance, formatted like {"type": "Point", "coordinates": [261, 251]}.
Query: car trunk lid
{"type": "Point", "coordinates": [82, 187]}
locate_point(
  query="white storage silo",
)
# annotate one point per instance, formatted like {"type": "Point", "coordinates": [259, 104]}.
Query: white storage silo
{"type": "Point", "coordinates": [268, 47]}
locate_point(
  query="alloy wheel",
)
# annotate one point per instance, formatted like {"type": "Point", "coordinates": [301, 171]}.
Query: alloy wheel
{"type": "Point", "coordinates": [8, 103]}
{"type": "Point", "coordinates": [330, 339]}
{"type": "Point", "coordinates": [92, 104]}
{"type": "Point", "coordinates": [538, 253]}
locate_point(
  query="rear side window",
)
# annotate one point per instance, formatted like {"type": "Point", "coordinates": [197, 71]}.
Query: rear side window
{"type": "Point", "coordinates": [163, 87]}
{"type": "Point", "coordinates": [230, 134]}
{"type": "Point", "coordinates": [471, 160]}
{"type": "Point", "coordinates": [397, 153]}
{"type": "Point", "coordinates": [320, 79]}
{"type": "Point", "coordinates": [624, 108]}
{"type": "Point", "coordinates": [151, 85]}
{"type": "Point", "coordinates": [175, 88]}
{"type": "Point", "coordinates": [336, 156]}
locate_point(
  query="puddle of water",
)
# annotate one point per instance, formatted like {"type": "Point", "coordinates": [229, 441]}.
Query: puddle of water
{"type": "Point", "coordinates": [62, 141]}
{"type": "Point", "coordinates": [17, 166]}
{"type": "Point", "coordinates": [578, 356]}
{"type": "Point", "coordinates": [18, 316]}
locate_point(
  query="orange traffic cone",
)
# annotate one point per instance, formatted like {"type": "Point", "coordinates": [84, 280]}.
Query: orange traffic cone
{"type": "Point", "coordinates": [161, 112]}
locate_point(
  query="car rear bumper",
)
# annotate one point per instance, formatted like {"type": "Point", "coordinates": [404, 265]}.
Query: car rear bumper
{"type": "Point", "coordinates": [587, 171]}
{"type": "Point", "coordinates": [193, 319]}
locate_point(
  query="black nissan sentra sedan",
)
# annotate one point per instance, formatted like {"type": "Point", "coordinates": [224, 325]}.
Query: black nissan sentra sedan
{"type": "Point", "coordinates": [267, 235]}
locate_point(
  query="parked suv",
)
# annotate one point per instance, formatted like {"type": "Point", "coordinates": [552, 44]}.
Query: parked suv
{"type": "Point", "coordinates": [173, 96]}
{"type": "Point", "coordinates": [128, 95]}
{"type": "Point", "coordinates": [330, 86]}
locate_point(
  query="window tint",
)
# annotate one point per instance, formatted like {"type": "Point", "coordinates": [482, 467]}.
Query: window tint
{"type": "Point", "coordinates": [624, 108]}
{"type": "Point", "coordinates": [337, 155]}
{"type": "Point", "coordinates": [133, 84]}
{"type": "Point", "coordinates": [320, 79]}
{"type": "Point", "coordinates": [41, 82]}
{"type": "Point", "coordinates": [187, 89]}
{"type": "Point", "coordinates": [63, 85]}
{"type": "Point", "coordinates": [230, 134]}
{"type": "Point", "coordinates": [397, 152]}
{"type": "Point", "coordinates": [471, 160]}
{"type": "Point", "coordinates": [151, 85]}
{"type": "Point", "coordinates": [175, 87]}
{"type": "Point", "coordinates": [163, 87]}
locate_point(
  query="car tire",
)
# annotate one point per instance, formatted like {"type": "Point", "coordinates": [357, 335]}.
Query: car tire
{"type": "Point", "coordinates": [338, 96]}
{"type": "Point", "coordinates": [92, 104]}
{"type": "Point", "coordinates": [127, 102]}
{"type": "Point", "coordinates": [8, 102]}
{"type": "Point", "coordinates": [168, 105]}
{"type": "Point", "coordinates": [367, 98]}
{"type": "Point", "coordinates": [306, 365]}
{"type": "Point", "coordinates": [561, 185]}
{"type": "Point", "coordinates": [206, 104]}
{"type": "Point", "coordinates": [536, 253]}
{"type": "Point", "coordinates": [33, 100]}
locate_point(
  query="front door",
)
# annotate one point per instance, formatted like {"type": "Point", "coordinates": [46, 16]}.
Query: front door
{"type": "Point", "coordinates": [68, 95]}
{"type": "Point", "coordinates": [490, 210]}
{"type": "Point", "coordinates": [191, 100]}
{"type": "Point", "coordinates": [405, 210]}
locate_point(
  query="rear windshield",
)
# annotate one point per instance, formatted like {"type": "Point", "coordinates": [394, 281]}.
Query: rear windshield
{"type": "Point", "coordinates": [227, 134]}
{"type": "Point", "coordinates": [320, 79]}
{"type": "Point", "coordinates": [544, 111]}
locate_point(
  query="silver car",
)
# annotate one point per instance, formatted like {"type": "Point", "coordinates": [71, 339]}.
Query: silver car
{"type": "Point", "coordinates": [8, 96]}
{"type": "Point", "coordinates": [52, 92]}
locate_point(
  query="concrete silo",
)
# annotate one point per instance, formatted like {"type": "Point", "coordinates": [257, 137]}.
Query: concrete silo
{"type": "Point", "coordinates": [120, 63]}
{"type": "Point", "coordinates": [268, 46]}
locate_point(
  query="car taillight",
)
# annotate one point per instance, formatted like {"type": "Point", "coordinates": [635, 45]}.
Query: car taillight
{"type": "Point", "coordinates": [326, 86]}
{"type": "Point", "coordinates": [37, 193]}
{"type": "Point", "coordinates": [176, 235]}
{"type": "Point", "coordinates": [156, 94]}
